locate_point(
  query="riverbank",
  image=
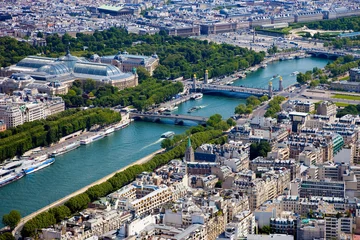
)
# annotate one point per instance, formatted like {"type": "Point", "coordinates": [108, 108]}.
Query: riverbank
{"type": "Point", "coordinates": [82, 190]}
{"type": "Point", "coordinates": [243, 74]}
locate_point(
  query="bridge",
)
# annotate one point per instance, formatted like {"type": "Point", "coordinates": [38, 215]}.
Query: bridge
{"type": "Point", "coordinates": [176, 117]}
{"type": "Point", "coordinates": [331, 54]}
{"type": "Point", "coordinates": [233, 89]}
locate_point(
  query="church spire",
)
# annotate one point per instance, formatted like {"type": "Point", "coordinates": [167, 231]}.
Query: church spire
{"type": "Point", "coordinates": [189, 154]}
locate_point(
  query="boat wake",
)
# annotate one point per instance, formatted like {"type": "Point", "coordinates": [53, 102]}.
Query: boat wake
{"type": "Point", "coordinates": [151, 144]}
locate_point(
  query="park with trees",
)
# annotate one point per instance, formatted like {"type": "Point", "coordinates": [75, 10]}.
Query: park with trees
{"type": "Point", "coordinates": [16, 141]}
{"type": "Point", "coordinates": [141, 97]}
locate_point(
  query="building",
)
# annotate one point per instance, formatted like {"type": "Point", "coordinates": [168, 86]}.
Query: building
{"type": "Point", "coordinates": [298, 120]}
{"type": "Point", "coordinates": [279, 151]}
{"type": "Point", "coordinates": [2, 126]}
{"type": "Point", "coordinates": [54, 75]}
{"type": "Point", "coordinates": [354, 75]}
{"type": "Point", "coordinates": [14, 113]}
{"type": "Point", "coordinates": [326, 108]}
{"type": "Point", "coordinates": [241, 226]}
{"type": "Point", "coordinates": [189, 154]}
{"type": "Point", "coordinates": [305, 107]}
{"type": "Point", "coordinates": [322, 188]}
{"type": "Point", "coordinates": [310, 229]}
{"type": "Point", "coordinates": [217, 27]}
{"type": "Point", "coordinates": [127, 62]}
{"type": "Point", "coordinates": [335, 226]}
{"type": "Point", "coordinates": [283, 225]}
{"type": "Point", "coordinates": [118, 10]}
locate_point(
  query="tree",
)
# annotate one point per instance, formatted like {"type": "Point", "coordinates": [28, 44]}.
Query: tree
{"type": "Point", "coordinates": [39, 35]}
{"type": "Point", "coordinates": [252, 101]}
{"type": "Point", "coordinates": [7, 236]}
{"type": "Point", "coordinates": [231, 122]}
{"type": "Point", "coordinates": [60, 212]}
{"type": "Point", "coordinates": [161, 72]}
{"type": "Point", "coordinates": [11, 219]}
{"type": "Point", "coordinates": [259, 149]}
{"type": "Point", "coordinates": [77, 83]}
{"type": "Point", "coordinates": [89, 85]}
{"type": "Point", "coordinates": [314, 83]}
{"type": "Point", "coordinates": [78, 203]}
{"type": "Point", "coordinates": [143, 74]}
{"type": "Point", "coordinates": [218, 184]}
{"type": "Point", "coordinates": [264, 98]}
{"type": "Point", "coordinates": [265, 230]}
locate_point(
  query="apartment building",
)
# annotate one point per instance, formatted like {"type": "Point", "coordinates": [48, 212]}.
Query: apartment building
{"type": "Point", "coordinates": [242, 226]}
{"type": "Point", "coordinates": [283, 225]}
{"type": "Point", "coordinates": [335, 226]}
{"type": "Point", "coordinates": [326, 108]}
{"type": "Point", "coordinates": [142, 198]}
{"type": "Point", "coordinates": [290, 164]}
{"type": "Point", "coordinates": [311, 156]}
{"type": "Point", "coordinates": [279, 151]}
{"type": "Point", "coordinates": [322, 188]}
{"type": "Point", "coordinates": [305, 107]}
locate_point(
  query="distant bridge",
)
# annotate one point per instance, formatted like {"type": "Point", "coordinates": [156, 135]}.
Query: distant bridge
{"type": "Point", "coordinates": [331, 54]}
{"type": "Point", "coordinates": [235, 89]}
{"type": "Point", "coordinates": [176, 117]}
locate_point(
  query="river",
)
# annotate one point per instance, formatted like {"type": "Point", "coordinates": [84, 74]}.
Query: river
{"type": "Point", "coordinates": [89, 163]}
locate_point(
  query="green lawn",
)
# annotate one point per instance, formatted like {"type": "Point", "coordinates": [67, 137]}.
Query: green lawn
{"type": "Point", "coordinates": [344, 78]}
{"type": "Point", "coordinates": [341, 104]}
{"type": "Point", "coordinates": [348, 97]}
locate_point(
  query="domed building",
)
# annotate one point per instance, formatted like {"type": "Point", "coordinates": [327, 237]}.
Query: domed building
{"type": "Point", "coordinates": [69, 60]}
{"type": "Point", "coordinates": [64, 70]}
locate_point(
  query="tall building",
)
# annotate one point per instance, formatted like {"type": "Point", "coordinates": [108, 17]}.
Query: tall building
{"type": "Point", "coordinates": [189, 154]}
{"type": "Point", "coordinates": [326, 108]}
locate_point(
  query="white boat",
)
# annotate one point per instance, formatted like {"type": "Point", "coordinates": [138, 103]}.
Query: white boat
{"type": "Point", "coordinates": [109, 131]}
{"type": "Point", "coordinates": [65, 149]}
{"type": "Point", "coordinates": [197, 96]}
{"type": "Point", "coordinates": [294, 73]}
{"type": "Point", "coordinates": [34, 166]}
{"type": "Point", "coordinates": [92, 139]}
{"type": "Point", "coordinates": [171, 108]}
{"type": "Point", "coordinates": [263, 65]}
{"type": "Point", "coordinates": [167, 134]}
{"type": "Point", "coordinates": [13, 165]}
{"type": "Point", "coordinates": [9, 176]}
{"type": "Point", "coordinates": [122, 125]}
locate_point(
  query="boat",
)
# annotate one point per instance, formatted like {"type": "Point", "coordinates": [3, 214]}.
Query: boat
{"type": "Point", "coordinates": [193, 109]}
{"type": "Point", "coordinates": [92, 139]}
{"type": "Point", "coordinates": [9, 176]}
{"type": "Point", "coordinates": [122, 125]}
{"type": "Point", "coordinates": [290, 58]}
{"type": "Point", "coordinates": [276, 75]}
{"type": "Point", "coordinates": [294, 73]}
{"type": "Point", "coordinates": [263, 65]}
{"type": "Point", "coordinates": [109, 131]}
{"type": "Point", "coordinates": [170, 109]}
{"type": "Point", "coordinates": [167, 134]}
{"type": "Point", "coordinates": [197, 96]}
{"type": "Point", "coordinates": [65, 149]}
{"type": "Point", "coordinates": [13, 165]}
{"type": "Point", "coordinates": [37, 165]}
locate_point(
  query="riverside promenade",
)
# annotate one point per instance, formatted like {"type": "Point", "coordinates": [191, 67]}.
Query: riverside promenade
{"type": "Point", "coordinates": [82, 190]}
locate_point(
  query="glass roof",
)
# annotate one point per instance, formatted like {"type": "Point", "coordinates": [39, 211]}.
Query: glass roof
{"type": "Point", "coordinates": [35, 62]}
{"type": "Point", "coordinates": [96, 69]}
{"type": "Point", "coordinates": [56, 68]}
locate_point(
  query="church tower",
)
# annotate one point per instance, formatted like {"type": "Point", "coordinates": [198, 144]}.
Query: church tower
{"type": "Point", "coordinates": [189, 154]}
